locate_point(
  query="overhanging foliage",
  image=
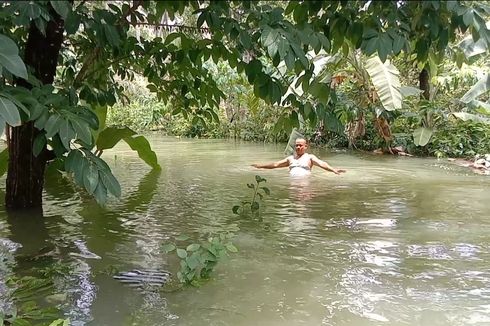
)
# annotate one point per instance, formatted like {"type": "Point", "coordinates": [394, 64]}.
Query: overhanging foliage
{"type": "Point", "coordinates": [101, 47]}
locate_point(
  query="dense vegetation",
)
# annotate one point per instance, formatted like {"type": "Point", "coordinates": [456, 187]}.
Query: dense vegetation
{"type": "Point", "coordinates": [251, 70]}
{"type": "Point", "coordinates": [246, 117]}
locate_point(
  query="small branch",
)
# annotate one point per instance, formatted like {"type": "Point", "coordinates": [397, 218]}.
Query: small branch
{"type": "Point", "coordinates": [169, 27]}
{"type": "Point", "coordinates": [98, 152]}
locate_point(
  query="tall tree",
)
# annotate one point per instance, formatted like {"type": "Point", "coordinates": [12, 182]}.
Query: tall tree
{"type": "Point", "coordinates": [76, 50]}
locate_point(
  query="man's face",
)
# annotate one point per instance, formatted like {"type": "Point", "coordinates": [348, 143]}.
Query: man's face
{"type": "Point", "coordinates": [300, 146]}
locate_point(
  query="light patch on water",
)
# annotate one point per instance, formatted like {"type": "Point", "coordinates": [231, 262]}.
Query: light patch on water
{"type": "Point", "coordinates": [374, 316]}
{"type": "Point", "coordinates": [84, 251]}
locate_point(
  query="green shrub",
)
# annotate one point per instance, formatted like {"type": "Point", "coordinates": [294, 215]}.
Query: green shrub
{"type": "Point", "coordinates": [460, 139]}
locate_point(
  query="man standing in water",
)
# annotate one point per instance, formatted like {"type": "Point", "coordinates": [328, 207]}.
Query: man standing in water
{"type": "Point", "coordinates": [301, 162]}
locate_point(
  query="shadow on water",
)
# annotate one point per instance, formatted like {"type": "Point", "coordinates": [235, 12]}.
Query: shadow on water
{"type": "Point", "coordinates": [76, 232]}
{"type": "Point", "coordinates": [36, 248]}
{"type": "Point", "coordinates": [100, 221]}
{"type": "Point", "coordinates": [111, 231]}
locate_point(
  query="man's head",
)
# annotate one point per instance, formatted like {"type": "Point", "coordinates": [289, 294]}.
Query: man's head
{"type": "Point", "coordinates": [300, 146]}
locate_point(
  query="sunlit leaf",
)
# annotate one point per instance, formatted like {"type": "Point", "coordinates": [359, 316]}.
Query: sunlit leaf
{"type": "Point", "coordinates": [110, 136]}
{"type": "Point", "coordinates": [60, 322]}
{"type": "Point", "coordinates": [386, 81]}
{"type": "Point", "coordinates": [142, 146]}
{"type": "Point", "coordinates": [481, 87]}
{"type": "Point", "coordinates": [421, 136]}
{"type": "Point", "coordinates": [473, 117]}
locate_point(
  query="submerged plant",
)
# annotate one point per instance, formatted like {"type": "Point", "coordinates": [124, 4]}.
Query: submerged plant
{"type": "Point", "coordinates": [60, 322]}
{"type": "Point", "coordinates": [252, 206]}
{"type": "Point", "coordinates": [198, 260]}
{"type": "Point", "coordinates": [26, 291]}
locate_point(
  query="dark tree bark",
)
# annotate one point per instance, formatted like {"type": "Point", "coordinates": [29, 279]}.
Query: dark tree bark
{"type": "Point", "coordinates": [25, 176]}
{"type": "Point", "coordinates": [424, 83]}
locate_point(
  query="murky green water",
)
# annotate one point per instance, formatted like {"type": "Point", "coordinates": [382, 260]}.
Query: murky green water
{"type": "Point", "coordinates": [395, 241]}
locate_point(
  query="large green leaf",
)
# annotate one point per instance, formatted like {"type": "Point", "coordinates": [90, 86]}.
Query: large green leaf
{"type": "Point", "coordinates": [473, 117]}
{"type": "Point", "coordinates": [142, 146]}
{"type": "Point", "coordinates": [109, 137]}
{"type": "Point", "coordinates": [9, 112]}
{"type": "Point", "coordinates": [471, 48]}
{"type": "Point", "coordinates": [482, 86]}
{"type": "Point", "coordinates": [10, 59]}
{"type": "Point", "coordinates": [82, 130]}
{"type": "Point", "coordinates": [100, 193]}
{"type": "Point", "coordinates": [421, 136]}
{"type": "Point", "coordinates": [90, 177]}
{"type": "Point", "coordinates": [111, 183]}
{"type": "Point", "coordinates": [385, 79]}
{"type": "Point", "coordinates": [479, 107]}
{"type": "Point", "coordinates": [4, 161]}
{"type": "Point", "coordinates": [101, 113]}
{"type": "Point", "coordinates": [62, 8]}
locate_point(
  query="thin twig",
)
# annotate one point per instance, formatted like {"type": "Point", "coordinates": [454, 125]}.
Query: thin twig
{"type": "Point", "coordinates": [169, 26]}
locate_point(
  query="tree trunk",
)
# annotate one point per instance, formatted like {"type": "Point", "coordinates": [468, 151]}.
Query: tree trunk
{"type": "Point", "coordinates": [25, 176]}
{"type": "Point", "coordinates": [424, 84]}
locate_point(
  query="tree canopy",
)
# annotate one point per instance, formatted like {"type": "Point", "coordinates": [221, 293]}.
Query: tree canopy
{"type": "Point", "coordinates": [60, 63]}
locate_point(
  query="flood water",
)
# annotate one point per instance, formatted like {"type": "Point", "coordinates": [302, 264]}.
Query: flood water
{"type": "Point", "coordinates": [394, 241]}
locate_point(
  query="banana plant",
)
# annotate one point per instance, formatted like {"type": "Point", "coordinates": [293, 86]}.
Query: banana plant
{"type": "Point", "coordinates": [475, 109]}
{"type": "Point", "coordinates": [470, 100]}
{"type": "Point", "coordinates": [380, 83]}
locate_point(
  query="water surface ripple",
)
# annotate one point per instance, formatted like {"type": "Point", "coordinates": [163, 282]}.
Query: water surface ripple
{"type": "Point", "coordinates": [394, 241]}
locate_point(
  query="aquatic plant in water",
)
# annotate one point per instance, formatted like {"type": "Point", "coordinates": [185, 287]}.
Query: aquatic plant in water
{"type": "Point", "coordinates": [198, 260]}
{"type": "Point", "coordinates": [253, 205]}
{"type": "Point", "coordinates": [25, 310]}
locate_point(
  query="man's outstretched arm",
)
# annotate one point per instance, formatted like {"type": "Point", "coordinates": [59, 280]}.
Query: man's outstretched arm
{"type": "Point", "coordinates": [279, 164]}
{"type": "Point", "coordinates": [324, 165]}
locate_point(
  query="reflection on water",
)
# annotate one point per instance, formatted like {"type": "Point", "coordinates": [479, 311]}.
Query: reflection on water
{"type": "Point", "coordinates": [394, 241]}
